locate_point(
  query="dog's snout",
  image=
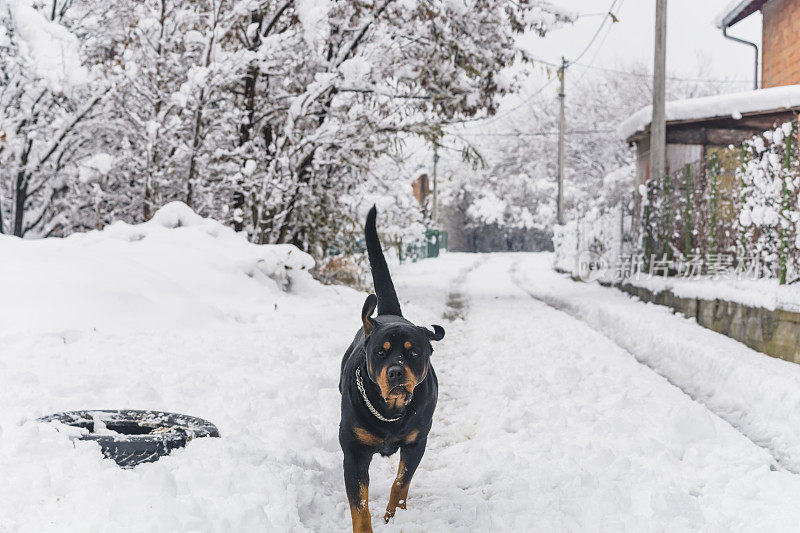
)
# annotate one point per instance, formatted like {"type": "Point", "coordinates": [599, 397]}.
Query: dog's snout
{"type": "Point", "coordinates": [396, 374]}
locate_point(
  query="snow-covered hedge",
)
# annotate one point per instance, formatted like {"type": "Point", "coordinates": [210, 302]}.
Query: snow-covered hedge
{"type": "Point", "coordinates": [768, 214]}
{"type": "Point", "coordinates": [735, 209]}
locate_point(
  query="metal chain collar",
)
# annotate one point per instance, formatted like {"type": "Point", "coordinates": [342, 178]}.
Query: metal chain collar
{"type": "Point", "coordinates": [374, 411]}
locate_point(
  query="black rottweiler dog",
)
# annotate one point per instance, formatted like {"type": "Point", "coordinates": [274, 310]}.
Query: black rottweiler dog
{"type": "Point", "coordinates": [388, 391]}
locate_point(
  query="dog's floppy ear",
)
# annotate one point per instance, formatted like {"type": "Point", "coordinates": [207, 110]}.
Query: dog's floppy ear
{"type": "Point", "coordinates": [366, 313]}
{"type": "Point", "coordinates": [437, 334]}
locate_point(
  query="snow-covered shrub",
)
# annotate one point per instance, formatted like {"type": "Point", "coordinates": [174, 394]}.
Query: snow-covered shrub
{"type": "Point", "coordinates": [602, 238]}
{"type": "Point", "coordinates": [601, 233]}
{"type": "Point", "coordinates": [768, 215]}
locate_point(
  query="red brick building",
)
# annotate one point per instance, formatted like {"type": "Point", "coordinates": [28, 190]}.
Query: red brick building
{"type": "Point", "coordinates": [780, 41]}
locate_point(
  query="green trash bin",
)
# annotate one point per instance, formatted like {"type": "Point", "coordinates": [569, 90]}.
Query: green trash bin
{"type": "Point", "coordinates": [432, 241]}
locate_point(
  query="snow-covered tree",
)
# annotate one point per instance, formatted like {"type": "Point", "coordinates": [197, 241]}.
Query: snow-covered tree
{"type": "Point", "coordinates": [517, 188]}
{"type": "Point", "coordinates": [348, 77]}
{"type": "Point", "coordinates": [270, 114]}
{"type": "Point", "coordinates": [48, 95]}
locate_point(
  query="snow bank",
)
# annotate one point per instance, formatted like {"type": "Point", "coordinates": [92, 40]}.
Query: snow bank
{"type": "Point", "coordinates": [719, 106]}
{"type": "Point", "coordinates": [757, 394]}
{"type": "Point", "coordinates": [178, 269]}
{"type": "Point", "coordinates": [178, 314]}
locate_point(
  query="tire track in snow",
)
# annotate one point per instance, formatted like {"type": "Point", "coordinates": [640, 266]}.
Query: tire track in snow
{"type": "Point", "coordinates": [457, 304]}
{"type": "Point", "coordinates": [555, 305]}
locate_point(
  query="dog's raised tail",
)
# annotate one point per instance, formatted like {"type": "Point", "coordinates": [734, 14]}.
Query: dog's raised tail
{"type": "Point", "coordinates": [388, 304]}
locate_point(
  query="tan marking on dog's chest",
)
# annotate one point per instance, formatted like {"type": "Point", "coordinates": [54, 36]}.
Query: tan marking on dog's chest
{"type": "Point", "coordinates": [411, 437]}
{"type": "Point", "coordinates": [365, 437]}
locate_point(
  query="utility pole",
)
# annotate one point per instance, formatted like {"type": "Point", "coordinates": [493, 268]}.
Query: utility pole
{"type": "Point", "coordinates": [435, 186]}
{"type": "Point", "coordinates": [658, 127]}
{"type": "Point", "coordinates": [561, 126]}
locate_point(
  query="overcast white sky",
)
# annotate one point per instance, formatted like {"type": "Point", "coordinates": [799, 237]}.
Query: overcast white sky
{"type": "Point", "coordinates": [691, 34]}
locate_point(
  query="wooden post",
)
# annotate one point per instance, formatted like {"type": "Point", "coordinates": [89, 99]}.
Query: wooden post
{"type": "Point", "coordinates": [658, 128]}
{"type": "Point", "coordinates": [561, 125]}
{"type": "Point", "coordinates": [687, 214]}
{"type": "Point", "coordinates": [435, 186]}
{"type": "Point", "coordinates": [743, 201]}
{"type": "Point", "coordinates": [648, 237]}
{"type": "Point", "coordinates": [667, 212]}
{"type": "Point", "coordinates": [712, 230]}
{"type": "Point", "coordinates": [787, 168]}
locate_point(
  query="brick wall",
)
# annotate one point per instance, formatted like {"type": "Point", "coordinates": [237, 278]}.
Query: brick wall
{"type": "Point", "coordinates": [421, 189]}
{"type": "Point", "coordinates": [781, 43]}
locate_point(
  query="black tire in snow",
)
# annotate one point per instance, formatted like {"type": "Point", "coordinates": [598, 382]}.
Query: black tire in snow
{"type": "Point", "coordinates": [133, 437]}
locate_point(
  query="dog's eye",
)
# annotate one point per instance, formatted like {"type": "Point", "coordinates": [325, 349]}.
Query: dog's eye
{"type": "Point", "coordinates": [381, 353]}
{"type": "Point", "coordinates": [413, 353]}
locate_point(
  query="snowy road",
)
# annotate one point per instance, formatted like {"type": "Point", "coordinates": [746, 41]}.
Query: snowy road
{"type": "Point", "coordinates": [543, 425]}
{"type": "Point", "coordinates": [555, 428]}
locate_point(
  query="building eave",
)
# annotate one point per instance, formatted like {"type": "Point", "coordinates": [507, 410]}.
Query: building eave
{"type": "Point", "coordinates": [709, 121]}
{"type": "Point", "coordinates": [737, 11]}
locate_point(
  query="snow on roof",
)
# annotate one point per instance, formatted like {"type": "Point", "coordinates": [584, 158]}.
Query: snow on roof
{"type": "Point", "coordinates": [724, 105]}
{"type": "Point", "coordinates": [731, 11]}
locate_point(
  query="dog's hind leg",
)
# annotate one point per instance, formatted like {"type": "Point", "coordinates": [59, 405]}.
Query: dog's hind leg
{"type": "Point", "coordinates": [410, 456]}
{"type": "Point", "coordinates": [356, 482]}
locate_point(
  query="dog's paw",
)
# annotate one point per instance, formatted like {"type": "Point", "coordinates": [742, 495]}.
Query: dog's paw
{"type": "Point", "coordinates": [390, 510]}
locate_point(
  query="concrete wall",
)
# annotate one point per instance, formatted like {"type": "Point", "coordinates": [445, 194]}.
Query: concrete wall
{"type": "Point", "coordinates": [775, 333]}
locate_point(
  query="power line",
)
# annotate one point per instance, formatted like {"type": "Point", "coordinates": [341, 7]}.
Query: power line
{"type": "Point", "coordinates": [527, 100]}
{"type": "Point", "coordinates": [636, 74]}
{"type": "Point", "coordinates": [599, 29]}
{"type": "Point", "coordinates": [532, 133]}
{"type": "Point", "coordinates": [673, 78]}
{"type": "Point", "coordinates": [605, 37]}
{"type": "Point", "coordinates": [531, 97]}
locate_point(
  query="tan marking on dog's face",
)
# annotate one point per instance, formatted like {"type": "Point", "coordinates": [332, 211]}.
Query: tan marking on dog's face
{"type": "Point", "coordinates": [394, 400]}
{"type": "Point", "coordinates": [411, 437]}
{"type": "Point", "coordinates": [387, 346]}
{"type": "Point", "coordinates": [411, 381]}
{"type": "Point", "coordinates": [383, 382]}
{"type": "Point", "coordinates": [362, 523]}
{"type": "Point", "coordinates": [407, 345]}
{"type": "Point", "coordinates": [365, 437]}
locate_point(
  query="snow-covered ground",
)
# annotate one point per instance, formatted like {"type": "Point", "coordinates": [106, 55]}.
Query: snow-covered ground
{"type": "Point", "coordinates": [758, 394]}
{"type": "Point", "coordinates": [543, 424]}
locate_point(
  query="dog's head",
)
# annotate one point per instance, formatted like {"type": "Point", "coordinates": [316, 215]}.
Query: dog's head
{"type": "Point", "coordinates": [398, 354]}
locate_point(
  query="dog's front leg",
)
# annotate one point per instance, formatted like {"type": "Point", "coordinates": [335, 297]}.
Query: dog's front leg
{"type": "Point", "coordinates": [410, 456]}
{"type": "Point", "coordinates": [356, 483]}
